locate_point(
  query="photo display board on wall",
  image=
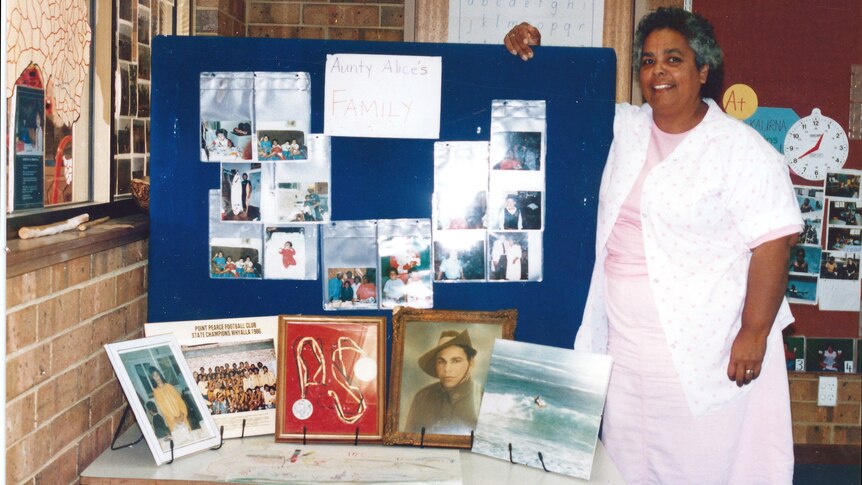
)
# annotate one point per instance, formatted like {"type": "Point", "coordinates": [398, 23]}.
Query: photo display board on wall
{"type": "Point", "coordinates": [391, 179]}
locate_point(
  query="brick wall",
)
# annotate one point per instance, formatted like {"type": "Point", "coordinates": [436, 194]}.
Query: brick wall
{"type": "Point", "coordinates": [338, 19]}
{"type": "Point", "coordinates": [63, 400]}
{"type": "Point", "coordinates": [220, 17]}
{"type": "Point", "coordinates": [817, 425]}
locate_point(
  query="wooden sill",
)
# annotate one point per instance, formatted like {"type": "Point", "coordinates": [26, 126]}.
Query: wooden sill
{"type": "Point", "coordinates": [26, 255]}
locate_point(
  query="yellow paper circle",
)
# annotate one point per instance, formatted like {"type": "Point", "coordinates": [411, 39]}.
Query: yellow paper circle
{"type": "Point", "coordinates": [739, 101]}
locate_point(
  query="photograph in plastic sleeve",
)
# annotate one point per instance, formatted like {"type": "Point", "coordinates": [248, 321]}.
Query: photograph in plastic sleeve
{"type": "Point", "coordinates": [838, 265]}
{"type": "Point", "coordinates": [225, 141]}
{"type": "Point", "coordinates": [515, 256]}
{"type": "Point", "coordinates": [459, 256]}
{"type": "Point", "coordinates": [240, 191]}
{"type": "Point", "coordinates": [235, 248]}
{"type": "Point", "coordinates": [349, 251]}
{"type": "Point", "coordinates": [290, 252]}
{"type": "Point", "coordinates": [458, 209]}
{"type": "Point", "coordinates": [794, 353]}
{"type": "Point", "coordinates": [301, 202]}
{"type": "Point", "coordinates": [829, 355]}
{"type": "Point", "coordinates": [226, 114]}
{"type": "Point", "coordinates": [518, 130]}
{"type": "Point", "coordinates": [282, 115]}
{"type": "Point", "coordinates": [300, 192]}
{"type": "Point", "coordinates": [279, 143]}
{"type": "Point", "coordinates": [235, 378]}
{"type": "Point", "coordinates": [844, 239]}
{"type": "Point", "coordinates": [844, 184]}
{"type": "Point", "coordinates": [844, 213]}
{"type": "Point", "coordinates": [804, 259]}
{"type": "Point", "coordinates": [351, 288]}
{"type": "Point", "coordinates": [405, 263]}
{"type": "Point", "coordinates": [514, 211]}
{"type": "Point", "coordinates": [460, 185]}
{"type": "Point", "coordinates": [516, 151]}
{"type": "Point", "coordinates": [801, 289]}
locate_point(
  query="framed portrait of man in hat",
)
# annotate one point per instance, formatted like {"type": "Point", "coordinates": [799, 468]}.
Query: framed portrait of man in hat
{"type": "Point", "coordinates": [439, 364]}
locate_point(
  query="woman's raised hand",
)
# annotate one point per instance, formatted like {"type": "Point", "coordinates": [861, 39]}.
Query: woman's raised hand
{"type": "Point", "coordinates": [520, 39]}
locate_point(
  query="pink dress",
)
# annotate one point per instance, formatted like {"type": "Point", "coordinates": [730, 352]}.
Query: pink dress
{"type": "Point", "coordinates": [648, 428]}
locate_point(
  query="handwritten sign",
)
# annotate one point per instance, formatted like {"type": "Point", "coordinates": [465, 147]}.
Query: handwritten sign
{"type": "Point", "coordinates": [564, 23]}
{"type": "Point", "coordinates": [382, 96]}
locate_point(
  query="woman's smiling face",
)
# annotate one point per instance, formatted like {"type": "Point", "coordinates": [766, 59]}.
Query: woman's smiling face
{"type": "Point", "coordinates": [669, 77]}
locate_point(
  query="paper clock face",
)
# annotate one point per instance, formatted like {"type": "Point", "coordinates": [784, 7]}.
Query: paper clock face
{"type": "Point", "coordinates": [814, 145]}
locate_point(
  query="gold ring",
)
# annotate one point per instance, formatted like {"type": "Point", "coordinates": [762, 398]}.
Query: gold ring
{"type": "Point", "coordinates": [749, 371]}
{"type": "Point", "coordinates": [511, 34]}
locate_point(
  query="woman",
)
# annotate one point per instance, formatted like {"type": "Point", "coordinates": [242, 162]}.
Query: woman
{"type": "Point", "coordinates": [696, 219]}
{"type": "Point", "coordinates": [169, 401]}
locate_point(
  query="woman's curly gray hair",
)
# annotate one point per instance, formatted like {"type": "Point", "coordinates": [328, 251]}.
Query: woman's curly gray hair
{"type": "Point", "coordinates": [699, 34]}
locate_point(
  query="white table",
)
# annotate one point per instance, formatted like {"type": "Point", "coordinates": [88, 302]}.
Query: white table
{"type": "Point", "coordinates": [135, 465]}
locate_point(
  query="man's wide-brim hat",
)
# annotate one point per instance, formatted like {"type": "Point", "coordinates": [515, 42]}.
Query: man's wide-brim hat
{"type": "Point", "coordinates": [427, 362]}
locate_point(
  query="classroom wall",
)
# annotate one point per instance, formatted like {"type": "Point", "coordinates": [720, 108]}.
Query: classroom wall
{"type": "Point", "coordinates": [63, 400]}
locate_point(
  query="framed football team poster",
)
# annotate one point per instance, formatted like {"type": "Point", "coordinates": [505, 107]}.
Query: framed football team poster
{"type": "Point", "coordinates": [331, 379]}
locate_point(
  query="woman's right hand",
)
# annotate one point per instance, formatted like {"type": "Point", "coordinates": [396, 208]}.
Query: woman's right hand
{"type": "Point", "coordinates": [520, 39]}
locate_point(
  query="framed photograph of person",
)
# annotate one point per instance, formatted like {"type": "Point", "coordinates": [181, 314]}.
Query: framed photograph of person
{"type": "Point", "coordinates": [439, 364]}
{"type": "Point", "coordinates": [350, 288]}
{"type": "Point", "coordinates": [801, 289]}
{"type": "Point", "coordinates": [844, 184]}
{"type": "Point", "coordinates": [804, 259]}
{"type": "Point", "coordinates": [828, 355]}
{"type": "Point", "coordinates": [515, 211]}
{"type": "Point", "coordinates": [281, 144]}
{"type": "Point", "coordinates": [163, 396]}
{"type": "Point", "coordinates": [519, 150]}
{"type": "Point", "coordinates": [331, 379]}
{"type": "Point", "coordinates": [794, 353]}
{"type": "Point", "coordinates": [459, 256]}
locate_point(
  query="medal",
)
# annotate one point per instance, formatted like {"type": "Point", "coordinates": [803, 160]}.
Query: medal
{"type": "Point", "coordinates": [302, 409]}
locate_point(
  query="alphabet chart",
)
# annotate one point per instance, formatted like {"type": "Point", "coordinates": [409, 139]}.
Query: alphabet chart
{"type": "Point", "coordinates": [564, 23]}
